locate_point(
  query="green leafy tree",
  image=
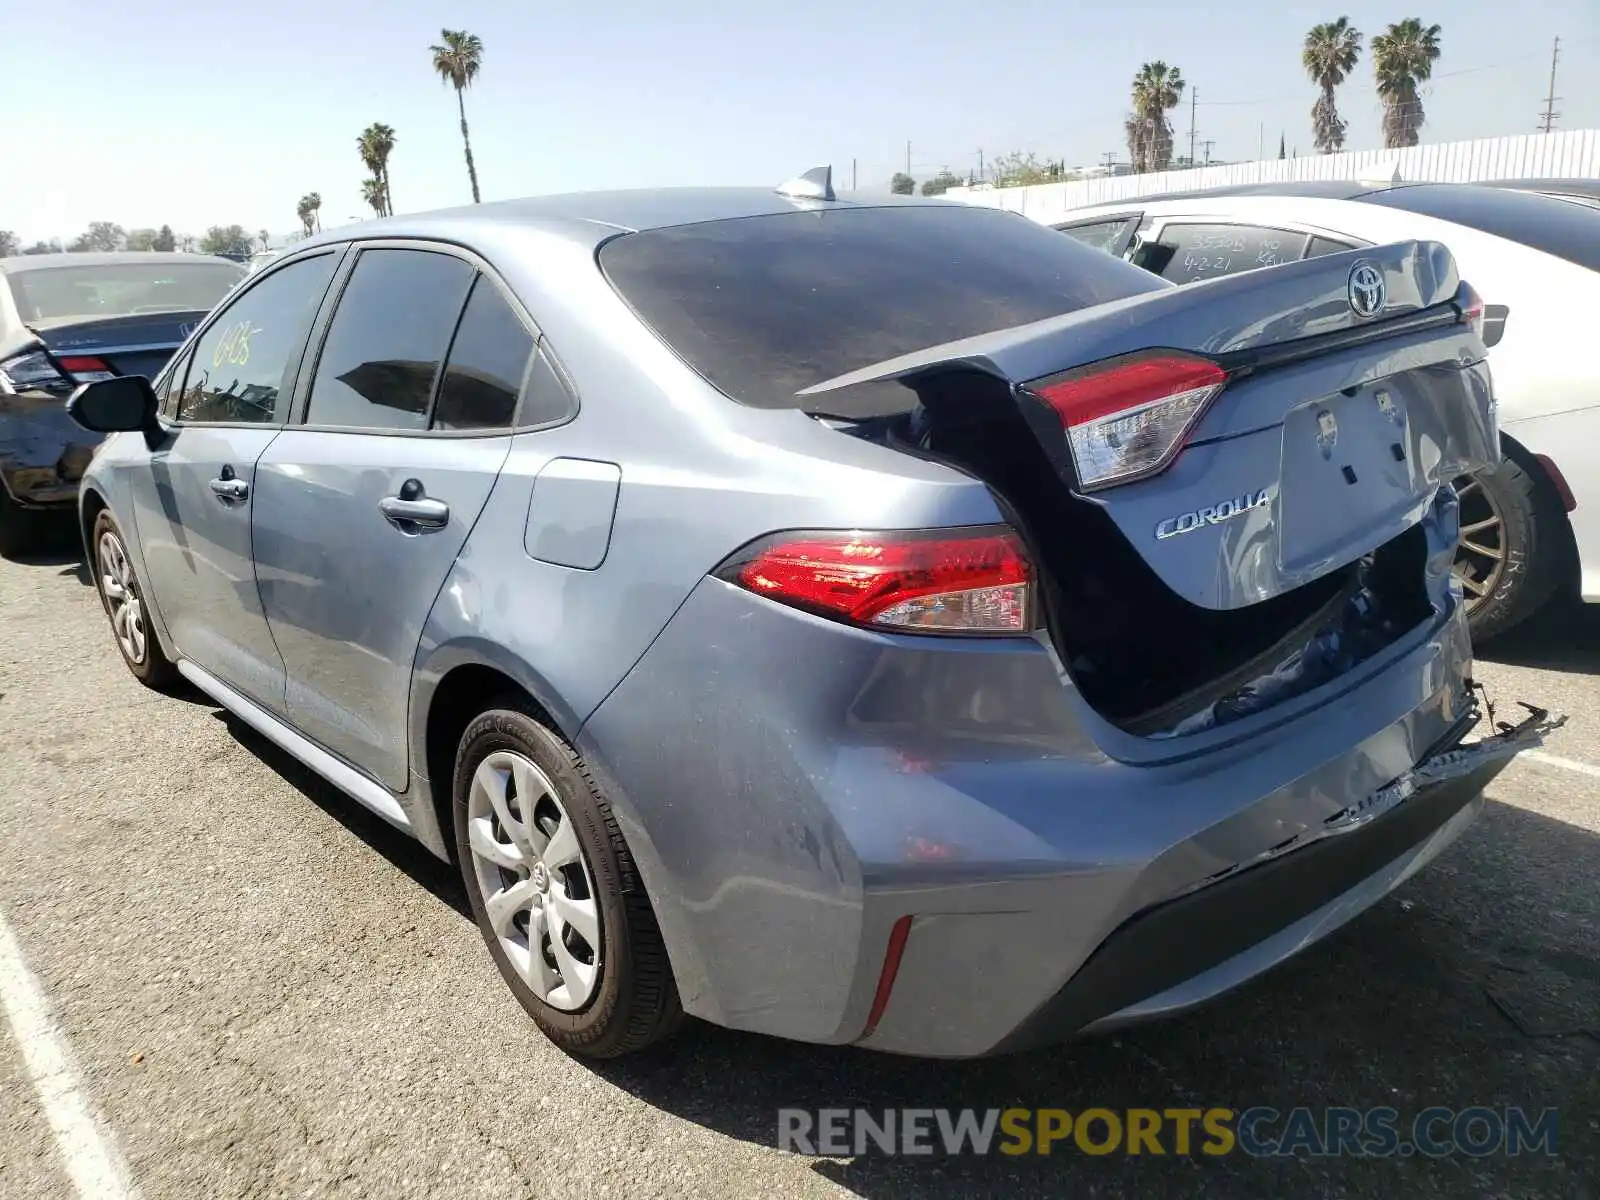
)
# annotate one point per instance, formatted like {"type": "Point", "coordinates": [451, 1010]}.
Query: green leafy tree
{"type": "Point", "coordinates": [1157, 88]}
{"type": "Point", "coordinates": [1329, 55]}
{"type": "Point", "coordinates": [902, 184]}
{"type": "Point", "coordinates": [164, 240]}
{"type": "Point", "coordinates": [375, 144]}
{"type": "Point", "coordinates": [9, 244]}
{"type": "Point", "coordinates": [309, 211]}
{"type": "Point", "coordinates": [1402, 58]}
{"type": "Point", "coordinates": [457, 61]}
{"type": "Point", "coordinates": [941, 183]}
{"type": "Point", "coordinates": [225, 239]}
{"type": "Point", "coordinates": [51, 247]}
{"type": "Point", "coordinates": [372, 193]}
{"type": "Point", "coordinates": [141, 239]}
{"type": "Point", "coordinates": [1018, 170]}
{"type": "Point", "coordinates": [101, 235]}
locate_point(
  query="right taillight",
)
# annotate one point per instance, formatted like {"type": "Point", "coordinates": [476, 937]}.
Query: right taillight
{"type": "Point", "coordinates": [30, 372]}
{"type": "Point", "coordinates": [949, 581]}
{"type": "Point", "coordinates": [1470, 305]}
{"type": "Point", "coordinates": [1127, 419]}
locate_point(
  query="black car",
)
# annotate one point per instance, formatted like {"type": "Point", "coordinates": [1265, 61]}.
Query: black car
{"type": "Point", "coordinates": [66, 319]}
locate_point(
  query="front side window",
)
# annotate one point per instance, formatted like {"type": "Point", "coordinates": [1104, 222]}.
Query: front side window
{"type": "Point", "coordinates": [381, 358]}
{"type": "Point", "coordinates": [1189, 253]}
{"type": "Point", "coordinates": [239, 369]}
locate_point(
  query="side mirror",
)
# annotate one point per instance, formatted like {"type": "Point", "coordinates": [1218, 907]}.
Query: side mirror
{"type": "Point", "coordinates": [124, 404]}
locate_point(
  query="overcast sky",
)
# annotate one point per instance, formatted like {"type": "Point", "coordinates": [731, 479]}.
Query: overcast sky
{"type": "Point", "coordinates": [196, 114]}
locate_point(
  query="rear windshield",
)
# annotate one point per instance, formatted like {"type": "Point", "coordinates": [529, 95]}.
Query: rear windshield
{"type": "Point", "coordinates": [764, 306]}
{"type": "Point", "coordinates": [1569, 231]}
{"type": "Point", "coordinates": [120, 289]}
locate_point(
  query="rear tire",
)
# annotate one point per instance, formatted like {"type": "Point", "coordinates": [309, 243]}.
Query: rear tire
{"type": "Point", "coordinates": [127, 606]}
{"type": "Point", "coordinates": [543, 860]}
{"type": "Point", "coordinates": [1512, 553]}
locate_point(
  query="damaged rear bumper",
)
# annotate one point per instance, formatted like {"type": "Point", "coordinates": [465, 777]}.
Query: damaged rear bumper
{"type": "Point", "coordinates": [1183, 952]}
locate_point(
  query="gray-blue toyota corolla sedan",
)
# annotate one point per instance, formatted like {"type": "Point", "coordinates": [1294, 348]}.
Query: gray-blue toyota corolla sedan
{"type": "Point", "coordinates": [879, 623]}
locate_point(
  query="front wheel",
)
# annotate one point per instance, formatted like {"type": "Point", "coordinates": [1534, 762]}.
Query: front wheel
{"type": "Point", "coordinates": [127, 607]}
{"type": "Point", "coordinates": [1509, 555]}
{"type": "Point", "coordinates": [555, 892]}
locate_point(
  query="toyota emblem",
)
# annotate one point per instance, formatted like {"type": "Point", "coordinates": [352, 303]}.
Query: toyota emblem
{"type": "Point", "coordinates": [1366, 290]}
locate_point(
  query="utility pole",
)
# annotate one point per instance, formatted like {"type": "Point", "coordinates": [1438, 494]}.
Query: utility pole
{"type": "Point", "coordinates": [1194, 99]}
{"type": "Point", "coordinates": [1111, 158]}
{"type": "Point", "coordinates": [1261, 140]}
{"type": "Point", "coordinates": [1208, 143]}
{"type": "Point", "coordinates": [852, 174]}
{"type": "Point", "coordinates": [980, 165]}
{"type": "Point", "coordinates": [1550, 114]}
{"type": "Point", "coordinates": [908, 158]}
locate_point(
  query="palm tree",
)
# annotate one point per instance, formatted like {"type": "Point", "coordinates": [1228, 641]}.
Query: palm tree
{"type": "Point", "coordinates": [1329, 54]}
{"type": "Point", "coordinates": [375, 145]}
{"type": "Point", "coordinates": [1157, 88]}
{"type": "Point", "coordinates": [264, 237]}
{"type": "Point", "coordinates": [372, 193]}
{"type": "Point", "coordinates": [457, 62]}
{"type": "Point", "coordinates": [1402, 57]}
{"type": "Point", "coordinates": [315, 200]}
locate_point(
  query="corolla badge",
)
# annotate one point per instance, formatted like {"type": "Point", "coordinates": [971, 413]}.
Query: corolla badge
{"type": "Point", "coordinates": [1213, 514]}
{"type": "Point", "coordinates": [1366, 290]}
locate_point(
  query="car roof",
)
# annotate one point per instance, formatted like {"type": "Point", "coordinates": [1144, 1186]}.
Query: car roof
{"type": "Point", "coordinates": [19, 263]}
{"type": "Point", "coordinates": [1558, 187]}
{"type": "Point", "coordinates": [596, 216]}
{"type": "Point", "coordinates": [1316, 189]}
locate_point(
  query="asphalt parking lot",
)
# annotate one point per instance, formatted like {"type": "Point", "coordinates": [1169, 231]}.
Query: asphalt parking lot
{"type": "Point", "coordinates": [268, 993]}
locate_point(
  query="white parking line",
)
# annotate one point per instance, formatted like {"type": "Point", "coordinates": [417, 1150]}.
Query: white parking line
{"type": "Point", "coordinates": [87, 1151]}
{"type": "Point", "coordinates": [1566, 764]}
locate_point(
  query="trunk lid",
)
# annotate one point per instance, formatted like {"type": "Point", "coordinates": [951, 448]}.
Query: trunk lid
{"type": "Point", "coordinates": [137, 344]}
{"type": "Point", "coordinates": [1331, 433]}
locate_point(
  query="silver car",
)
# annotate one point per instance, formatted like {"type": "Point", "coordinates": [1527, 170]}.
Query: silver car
{"type": "Point", "coordinates": [885, 623]}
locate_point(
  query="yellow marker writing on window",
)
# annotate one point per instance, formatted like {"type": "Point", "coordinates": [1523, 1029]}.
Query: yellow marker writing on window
{"type": "Point", "coordinates": [233, 347]}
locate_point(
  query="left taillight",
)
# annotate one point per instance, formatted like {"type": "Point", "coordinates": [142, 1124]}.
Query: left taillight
{"type": "Point", "coordinates": [946, 581]}
{"type": "Point", "coordinates": [1127, 419]}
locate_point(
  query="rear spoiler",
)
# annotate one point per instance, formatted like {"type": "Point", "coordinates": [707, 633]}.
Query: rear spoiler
{"type": "Point", "coordinates": [1220, 319]}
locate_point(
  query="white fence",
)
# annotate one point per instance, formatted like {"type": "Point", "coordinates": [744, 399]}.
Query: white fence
{"type": "Point", "coordinates": [1570, 154]}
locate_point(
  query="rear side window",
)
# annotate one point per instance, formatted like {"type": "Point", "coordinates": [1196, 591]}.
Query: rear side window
{"type": "Point", "coordinates": [765, 306]}
{"type": "Point", "coordinates": [488, 361]}
{"type": "Point", "coordinates": [387, 340]}
{"type": "Point", "coordinates": [1321, 245]}
{"type": "Point", "coordinates": [1110, 236]}
{"type": "Point", "coordinates": [1569, 231]}
{"type": "Point", "coordinates": [1196, 252]}
{"type": "Point", "coordinates": [239, 367]}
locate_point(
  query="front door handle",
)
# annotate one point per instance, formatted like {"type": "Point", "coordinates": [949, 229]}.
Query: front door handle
{"type": "Point", "coordinates": [230, 488]}
{"type": "Point", "coordinates": [409, 516]}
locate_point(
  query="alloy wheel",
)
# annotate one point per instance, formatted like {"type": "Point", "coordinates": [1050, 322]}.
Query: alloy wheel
{"type": "Point", "coordinates": [537, 890]}
{"type": "Point", "coordinates": [122, 598]}
{"type": "Point", "coordinates": [1480, 560]}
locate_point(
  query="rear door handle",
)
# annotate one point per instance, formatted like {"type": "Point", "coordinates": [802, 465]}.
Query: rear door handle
{"type": "Point", "coordinates": [230, 488]}
{"type": "Point", "coordinates": [411, 515]}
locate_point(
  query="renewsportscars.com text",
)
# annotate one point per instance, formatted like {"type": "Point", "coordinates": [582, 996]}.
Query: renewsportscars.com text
{"type": "Point", "coordinates": [1258, 1132]}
